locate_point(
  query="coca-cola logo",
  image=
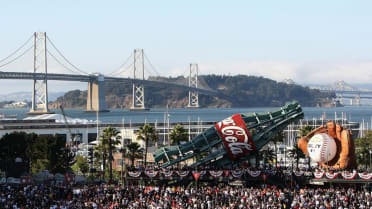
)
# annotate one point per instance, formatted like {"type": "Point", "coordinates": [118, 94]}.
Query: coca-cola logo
{"type": "Point", "coordinates": [235, 136]}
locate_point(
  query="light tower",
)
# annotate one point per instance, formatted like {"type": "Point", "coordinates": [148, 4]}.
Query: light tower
{"type": "Point", "coordinates": [138, 96]}
{"type": "Point", "coordinates": [40, 87]}
{"type": "Point", "coordinates": [193, 83]}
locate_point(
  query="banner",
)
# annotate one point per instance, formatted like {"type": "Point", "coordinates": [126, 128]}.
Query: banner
{"type": "Point", "coordinates": [236, 173]}
{"type": "Point", "coordinates": [365, 176]}
{"type": "Point", "coordinates": [254, 174]}
{"type": "Point", "coordinates": [349, 176]}
{"type": "Point", "coordinates": [216, 174]}
{"type": "Point", "coordinates": [318, 174]}
{"type": "Point", "coordinates": [331, 175]}
{"type": "Point", "coordinates": [151, 173]}
{"type": "Point", "coordinates": [134, 174]}
{"type": "Point", "coordinates": [167, 173]}
{"type": "Point", "coordinates": [298, 173]}
{"type": "Point", "coordinates": [235, 136]}
{"type": "Point", "coordinates": [182, 174]}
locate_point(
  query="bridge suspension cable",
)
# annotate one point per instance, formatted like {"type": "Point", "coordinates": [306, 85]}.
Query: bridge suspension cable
{"type": "Point", "coordinates": [18, 49]}
{"type": "Point", "coordinates": [60, 53]}
{"type": "Point", "coordinates": [59, 62]}
{"type": "Point", "coordinates": [120, 69]}
{"type": "Point", "coordinates": [151, 65]}
{"type": "Point", "coordinates": [16, 58]}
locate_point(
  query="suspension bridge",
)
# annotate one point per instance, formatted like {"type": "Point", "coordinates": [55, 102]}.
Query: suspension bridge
{"type": "Point", "coordinates": [135, 65]}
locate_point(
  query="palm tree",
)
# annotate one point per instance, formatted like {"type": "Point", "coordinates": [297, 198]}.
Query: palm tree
{"type": "Point", "coordinates": [178, 134]}
{"type": "Point", "coordinates": [267, 155]}
{"type": "Point", "coordinates": [147, 133]}
{"type": "Point", "coordinates": [111, 135]}
{"type": "Point", "coordinates": [278, 138]}
{"type": "Point", "coordinates": [101, 152]}
{"type": "Point", "coordinates": [134, 152]}
{"type": "Point", "coordinates": [297, 153]}
{"type": "Point", "coordinates": [304, 131]}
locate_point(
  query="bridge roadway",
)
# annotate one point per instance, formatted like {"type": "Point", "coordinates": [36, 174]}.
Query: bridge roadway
{"type": "Point", "coordinates": [94, 77]}
{"type": "Point", "coordinates": [348, 92]}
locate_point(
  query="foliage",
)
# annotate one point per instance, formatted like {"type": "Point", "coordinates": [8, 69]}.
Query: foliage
{"type": "Point", "coordinates": [18, 144]}
{"type": "Point", "coordinates": [363, 147]}
{"type": "Point", "coordinates": [110, 135]}
{"type": "Point", "coordinates": [134, 152]}
{"type": "Point", "coordinates": [81, 165]}
{"type": "Point", "coordinates": [147, 133]}
{"type": "Point", "coordinates": [304, 130]}
{"type": "Point", "coordinates": [100, 154]}
{"type": "Point", "coordinates": [39, 152]}
{"type": "Point", "coordinates": [297, 153]}
{"type": "Point", "coordinates": [267, 155]}
{"type": "Point", "coordinates": [178, 134]}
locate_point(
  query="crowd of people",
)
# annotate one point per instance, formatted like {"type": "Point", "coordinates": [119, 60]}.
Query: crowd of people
{"type": "Point", "coordinates": [196, 196]}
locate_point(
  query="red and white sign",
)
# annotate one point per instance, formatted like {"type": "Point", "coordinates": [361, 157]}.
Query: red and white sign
{"type": "Point", "coordinates": [196, 175]}
{"type": "Point", "coordinates": [235, 136]}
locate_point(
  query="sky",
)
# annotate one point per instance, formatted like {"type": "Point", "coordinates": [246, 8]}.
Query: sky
{"type": "Point", "coordinates": [310, 42]}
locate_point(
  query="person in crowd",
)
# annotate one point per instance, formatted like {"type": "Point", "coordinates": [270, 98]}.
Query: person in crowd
{"type": "Point", "coordinates": [204, 197]}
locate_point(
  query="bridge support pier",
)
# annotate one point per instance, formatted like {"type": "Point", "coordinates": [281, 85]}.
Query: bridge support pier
{"type": "Point", "coordinates": [96, 100]}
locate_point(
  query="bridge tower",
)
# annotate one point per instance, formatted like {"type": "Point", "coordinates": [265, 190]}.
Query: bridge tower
{"type": "Point", "coordinates": [138, 96]}
{"type": "Point", "coordinates": [40, 87]}
{"type": "Point", "coordinates": [193, 83]}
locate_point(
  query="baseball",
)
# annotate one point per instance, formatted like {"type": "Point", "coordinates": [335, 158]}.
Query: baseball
{"type": "Point", "coordinates": [321, 148]}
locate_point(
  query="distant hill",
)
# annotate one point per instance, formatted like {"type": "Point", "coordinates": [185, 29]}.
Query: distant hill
{"type": "Point", "coordinates": [237, 91]}
{"type": "Point", "coordinates": [27, 96]}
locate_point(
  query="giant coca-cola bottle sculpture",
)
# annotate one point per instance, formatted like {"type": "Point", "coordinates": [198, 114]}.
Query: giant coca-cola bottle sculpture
{"type": "Point", "coordinates": [231, 140]}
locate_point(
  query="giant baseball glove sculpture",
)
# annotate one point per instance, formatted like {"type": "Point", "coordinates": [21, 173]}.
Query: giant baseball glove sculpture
{"type": "Point", "coordinates": [345, 154]}
{"type": "Point", "coordinates": [232, 140]}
